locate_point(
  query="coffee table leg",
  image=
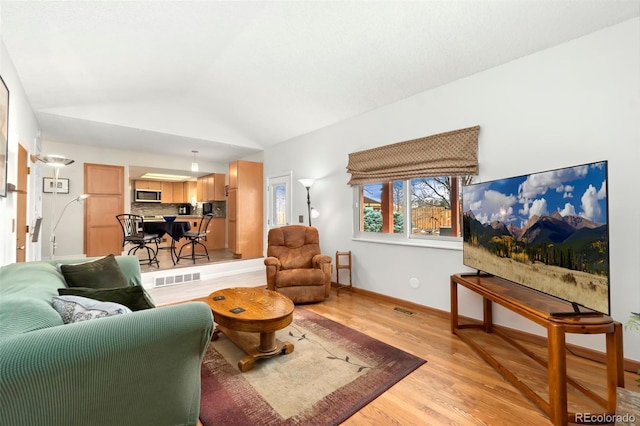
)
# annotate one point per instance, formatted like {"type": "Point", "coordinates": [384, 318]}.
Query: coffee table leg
{"type": "Point", "coordinates": [267, 342]}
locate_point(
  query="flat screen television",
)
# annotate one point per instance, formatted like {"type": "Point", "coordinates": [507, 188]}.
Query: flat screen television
{"type": "Point", "coordinates": [547, 231]}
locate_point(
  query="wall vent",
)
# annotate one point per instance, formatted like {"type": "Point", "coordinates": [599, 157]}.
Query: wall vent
{"type": "Point", "coordinates": [176, 279]}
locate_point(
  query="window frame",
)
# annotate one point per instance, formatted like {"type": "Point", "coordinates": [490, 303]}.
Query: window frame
{"type": "Point", "coordinates": [406, 238]}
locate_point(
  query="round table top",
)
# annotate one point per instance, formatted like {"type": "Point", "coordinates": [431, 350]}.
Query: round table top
{"type": "Point", "coordinates": [253, 309]}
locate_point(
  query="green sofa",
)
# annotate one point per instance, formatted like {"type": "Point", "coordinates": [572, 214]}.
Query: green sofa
{"type": "Point", "coordinates": [139, 368]}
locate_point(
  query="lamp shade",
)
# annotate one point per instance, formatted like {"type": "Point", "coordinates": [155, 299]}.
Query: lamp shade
{"type": "Point", "coordinates": [55, 160]}
{"type": "Point", "coordinates": [194, 165]}
{"type": "Point", "coordinates": [307, 183]}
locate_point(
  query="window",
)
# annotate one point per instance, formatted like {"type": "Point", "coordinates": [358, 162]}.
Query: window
{"type": "Point", "coordinates": [418, 194]}
{"type": "Point", "coordinates": [416, 208]}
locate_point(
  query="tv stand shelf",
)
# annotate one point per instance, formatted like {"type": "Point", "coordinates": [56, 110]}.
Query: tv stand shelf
{"type": "Point", "coordinates": [537, 307]}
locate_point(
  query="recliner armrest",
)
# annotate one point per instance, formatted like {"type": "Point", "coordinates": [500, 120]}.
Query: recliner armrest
{"type": "Point", "coordinates": [272, 261]}
{"type": "Point", "coordinates": [320, 259]}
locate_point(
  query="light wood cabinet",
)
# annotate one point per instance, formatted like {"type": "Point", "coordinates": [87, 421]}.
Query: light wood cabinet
{"type": "Point", "coordinates": [167, 192]}
{"type": "Point", "coordinates": [244, 209]}
{"type": "Point", "coordinates": [178, 192]}
{"type": "Point", "coordinates": [215, 234]}
{"type": "Point", "coordinates": [148, 184]}
{"type": "Point", "coordinates": [190, 191]}
{"type": "Point", "coordinates": [211, 187]}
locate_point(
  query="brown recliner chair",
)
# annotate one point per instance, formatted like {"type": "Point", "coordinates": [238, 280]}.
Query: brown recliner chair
{"type": "Point", "coordinates": [295, 266]}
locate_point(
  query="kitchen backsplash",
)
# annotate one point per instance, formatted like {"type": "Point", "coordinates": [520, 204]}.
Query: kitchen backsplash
{"type": "Point", "coordinates": [157, 209]}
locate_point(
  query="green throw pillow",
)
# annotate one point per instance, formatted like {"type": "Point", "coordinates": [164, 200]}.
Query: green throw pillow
{"type": "Point", "coordinates": [134, 297]}
{"type": "Point", "coordinates": [101, 273]}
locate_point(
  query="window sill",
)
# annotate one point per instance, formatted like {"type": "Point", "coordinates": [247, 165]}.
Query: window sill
{"type": "Point", "coordinates": [443, 243]}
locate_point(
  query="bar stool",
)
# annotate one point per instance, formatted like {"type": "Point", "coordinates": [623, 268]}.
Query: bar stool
{"type": "Point", "coordinates": [343, 261]}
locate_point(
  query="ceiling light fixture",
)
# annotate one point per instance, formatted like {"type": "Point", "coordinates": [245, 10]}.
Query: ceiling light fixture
{"type": "Point", "coordinates": [164, 176]}
{"type": "Point", "coordinates": [194, 165]}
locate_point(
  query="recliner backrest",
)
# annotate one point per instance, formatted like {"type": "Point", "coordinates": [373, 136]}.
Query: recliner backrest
{"type": "Point", "coordinates": [294, 245]}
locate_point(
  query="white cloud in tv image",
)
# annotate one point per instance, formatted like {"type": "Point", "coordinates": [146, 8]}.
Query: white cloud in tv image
{"type": "Point", "coordinates": [545, 230]}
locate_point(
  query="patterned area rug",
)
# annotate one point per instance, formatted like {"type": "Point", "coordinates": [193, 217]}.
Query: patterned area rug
{"type": "Point", "coordinates": [333, 372]}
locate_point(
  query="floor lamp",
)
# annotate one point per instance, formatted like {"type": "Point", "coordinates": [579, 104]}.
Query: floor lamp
{"type": "Point", "coordinates": [307, 183]}
{"type": "Point", "coordinates": [57, 162]}
{"type": "Point", "coordinates": [52, 240]}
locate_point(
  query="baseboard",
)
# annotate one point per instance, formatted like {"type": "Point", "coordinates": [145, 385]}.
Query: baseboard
{"type": "Point", "coordinates": [590, 354]}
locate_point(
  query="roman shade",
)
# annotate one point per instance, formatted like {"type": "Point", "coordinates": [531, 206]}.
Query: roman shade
{"type": "Point", "coordinates": [453, 153]}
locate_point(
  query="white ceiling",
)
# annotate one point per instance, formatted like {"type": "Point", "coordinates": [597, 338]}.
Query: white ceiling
{"type": "Point", "coordinates": [229, 78]}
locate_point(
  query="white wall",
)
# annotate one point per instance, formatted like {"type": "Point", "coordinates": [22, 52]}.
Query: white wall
{"type": "Point", "coordinates": [571, 104]}
{"type": "Point", "coordinates": [23, 129]}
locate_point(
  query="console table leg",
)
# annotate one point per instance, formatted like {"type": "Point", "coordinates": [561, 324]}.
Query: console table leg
{"type": "Point", "coordinates": [557, 375]}
{"type": "Point", "coordinates": [487, 315]}
{"type": "Point", "coordinates": [454, 305]}
{"type": "Point", "coordinates": [615, 370]}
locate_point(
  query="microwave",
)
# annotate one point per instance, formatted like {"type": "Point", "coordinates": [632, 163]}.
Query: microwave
{"type": "Point", "coordinates": [147, 196]}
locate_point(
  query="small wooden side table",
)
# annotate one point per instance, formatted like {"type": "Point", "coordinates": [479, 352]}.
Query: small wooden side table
{"type": "Point", "coordinates": [343, 261]}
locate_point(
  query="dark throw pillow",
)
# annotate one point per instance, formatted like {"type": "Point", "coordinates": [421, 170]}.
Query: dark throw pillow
{"type": "Point", "coordinates": [101, 273]}
{"type": "Point", "coordinates": [134, 297]}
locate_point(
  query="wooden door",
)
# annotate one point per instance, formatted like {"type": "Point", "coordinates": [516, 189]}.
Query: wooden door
{"type": "Point", "coordinates": [22, 231]}
{"type": "Point", "coordinates": [105, 186]}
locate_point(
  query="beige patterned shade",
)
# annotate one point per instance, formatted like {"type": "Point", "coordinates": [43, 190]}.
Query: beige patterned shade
{"type": "Point", "coordinates": [452, 153]}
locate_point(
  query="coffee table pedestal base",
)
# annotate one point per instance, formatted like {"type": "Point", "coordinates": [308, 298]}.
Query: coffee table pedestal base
{"type": "Point", "coordinates": [256, 346]}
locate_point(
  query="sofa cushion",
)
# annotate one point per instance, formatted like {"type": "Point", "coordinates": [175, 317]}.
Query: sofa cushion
{"type": "Point", "coordinates": [100, 273]}
{"type": "Point", "coordinates": [24, 314]}
{"type": "Point", "coordinates": [135, 298]}
{"type": "Point", "coordinates": [76, 308]}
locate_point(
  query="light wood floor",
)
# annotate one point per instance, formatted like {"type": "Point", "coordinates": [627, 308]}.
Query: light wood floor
{"type": "Point", "coordinates": [165, 262]}
{"type": "Point", "coordinates": [455, 386]}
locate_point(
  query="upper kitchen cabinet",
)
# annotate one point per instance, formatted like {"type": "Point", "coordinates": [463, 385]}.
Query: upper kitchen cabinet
{"type": "Point", "coordinates": [148, 184]}
{"type": "Point", "coordinates": [190, 191]}
{"type": "Point", "coordinates": [211, 187]}
{"type": "Point", "coordinates": [167, 192]}
{"type": "Point", "coordinates": [175, 192]}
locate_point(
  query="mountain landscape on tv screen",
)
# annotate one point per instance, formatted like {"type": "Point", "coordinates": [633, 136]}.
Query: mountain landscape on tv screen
{"type": "Point", "coordinates": [569, 242]}
{"type": "Point", "coordinates": [548, 231]}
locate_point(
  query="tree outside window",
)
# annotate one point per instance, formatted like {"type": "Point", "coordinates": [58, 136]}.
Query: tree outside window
{"type": "Point", "coordinates": [432, 208]}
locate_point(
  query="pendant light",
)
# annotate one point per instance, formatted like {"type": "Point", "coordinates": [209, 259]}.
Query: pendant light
{"type": "Point", "coordinates": [194, 165]}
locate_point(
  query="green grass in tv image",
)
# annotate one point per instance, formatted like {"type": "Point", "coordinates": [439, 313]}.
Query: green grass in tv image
{"type": "Point", "coordinates": [574, 269]}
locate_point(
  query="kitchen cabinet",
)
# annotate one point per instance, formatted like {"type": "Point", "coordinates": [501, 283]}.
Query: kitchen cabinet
{"type": "Point", "coordinates": [190, 191]}
{"type": "Point", "coordinates": [244, 209]}
{"type": "Point", "coordinates": [174, 192]}
{"type": "Point", "coordinates": [178, 192]}
{"type": "Point", "coordinates": [215, 234]}
{"type": "Point", "coordinates": [167, 192]}
{"type": "Point", "coordinates": [148, 184]}
{"type": "Point", "coordinates": [211, 187]}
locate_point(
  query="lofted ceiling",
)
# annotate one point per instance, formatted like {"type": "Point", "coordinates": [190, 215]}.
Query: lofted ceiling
{"type": "Point", "coordinates": [230, 78]}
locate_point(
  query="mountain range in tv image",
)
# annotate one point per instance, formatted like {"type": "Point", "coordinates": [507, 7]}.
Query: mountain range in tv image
{"type": "Point", "coordinates": [548, 231]}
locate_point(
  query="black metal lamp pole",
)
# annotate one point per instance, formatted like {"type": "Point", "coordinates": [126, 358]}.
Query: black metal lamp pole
{"type": "Point", "coordinates": [308, 204]}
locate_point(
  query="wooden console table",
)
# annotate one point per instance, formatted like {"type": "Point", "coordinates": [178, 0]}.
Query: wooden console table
{"type": "Point", "coordinates": [537, 307]}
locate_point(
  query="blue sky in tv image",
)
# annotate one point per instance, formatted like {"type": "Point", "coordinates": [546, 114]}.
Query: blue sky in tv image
{"type": "Point", "coordinates": [571, 191]}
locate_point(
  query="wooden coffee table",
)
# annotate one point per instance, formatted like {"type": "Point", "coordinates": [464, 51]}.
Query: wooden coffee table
{"type": "Point", "coordinates": [241, 312]}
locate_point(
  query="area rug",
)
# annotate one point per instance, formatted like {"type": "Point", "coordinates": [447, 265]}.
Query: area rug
{"type": "Point", "coordinates": [332, 372]}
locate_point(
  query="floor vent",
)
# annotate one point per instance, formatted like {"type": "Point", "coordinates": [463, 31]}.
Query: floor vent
{"type": "Point", "coordinates": [404, 311]}
{"type": "Point", "coordinates": [176, 279]}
